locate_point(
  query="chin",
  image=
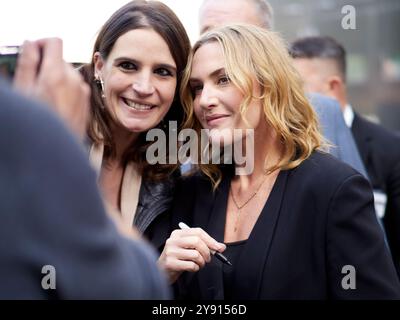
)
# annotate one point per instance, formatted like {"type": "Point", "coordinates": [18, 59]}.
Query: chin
{"type": "Point", "coordinates": [140, 127]}
{"type": "Point", "coordinates": [220, 137]}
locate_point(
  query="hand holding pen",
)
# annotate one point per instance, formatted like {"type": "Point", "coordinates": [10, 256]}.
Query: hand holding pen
{"type": "Point", "coordinates": [217, 254]}
{"type": "Point", "coordinates": [188, 249]}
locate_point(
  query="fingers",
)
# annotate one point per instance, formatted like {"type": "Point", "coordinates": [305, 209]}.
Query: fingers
{"type": "Point", "coordinates": [180, 259]}
{"type": "Point", "coordinates": [43, 74]}
{"type": "Point", "coordinates": [188, 250]}
{"type": "Point", "coordinates": [76, 113]}
{"type": "Point", "coordinates": [27, 67]}
{"type": "Point", "coordinates": [52, 51]}
{"type": "Point", "coordinates": [54, 71]}
{"type": "Point", "coordinates": [210, 242]}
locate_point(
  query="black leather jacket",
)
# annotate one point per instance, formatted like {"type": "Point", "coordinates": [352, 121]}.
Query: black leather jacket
{"type": "Point", "coordinates": [152, 217]}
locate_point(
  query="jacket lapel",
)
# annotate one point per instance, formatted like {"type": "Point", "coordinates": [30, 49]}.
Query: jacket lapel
{"type": "Point", "coordinates": [362, 137]}
{"type": "Point", "coordinates": [256, 250]}
{"type": "Point", "coordinates": [211, 278]}
{"type": "Point", "coordinates": [365, 141]}
{"type": "Point", "coordinates": [131, 183]}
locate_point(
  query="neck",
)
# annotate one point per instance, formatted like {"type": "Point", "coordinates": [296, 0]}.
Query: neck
{"type": "Point", "coordinates": [123, 140]}
{"type": "Point", "coordinates": [343, 103]}
{"type": "Point", "coordinates": [342, 99]}
{"type": "Point", "coordinates": [267, 152]}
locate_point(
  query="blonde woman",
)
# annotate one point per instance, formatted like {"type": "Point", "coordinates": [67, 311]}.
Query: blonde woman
{"type": "Point", "coordinates": [301, 225]}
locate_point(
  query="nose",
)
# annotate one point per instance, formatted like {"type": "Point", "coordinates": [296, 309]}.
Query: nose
{"type": "Point", "coordinates": [143, 85]}
{"type": "Point", "coordinates": [208, 99]}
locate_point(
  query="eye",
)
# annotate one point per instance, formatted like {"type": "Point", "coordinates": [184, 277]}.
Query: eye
{"type": "Point", "coordinates": [223, 80]}
{"type": "Point", "coordinates": [128, 66]}
{"type": "Point", "coordinates": [163, 72]}
{"type": "Point", "coordinates": [196, 89]}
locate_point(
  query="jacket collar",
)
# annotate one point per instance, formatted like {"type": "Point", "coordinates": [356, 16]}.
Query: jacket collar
{"type": "Point", "coordinates": [153, 198]}
{"type": "Point", "coordinates": [365, 143]}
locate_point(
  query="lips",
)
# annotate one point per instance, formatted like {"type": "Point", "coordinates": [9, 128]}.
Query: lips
{"type": "Point", "coordinates": [215, 118]}
{"type": "Point", "coordinates": [138, 106]}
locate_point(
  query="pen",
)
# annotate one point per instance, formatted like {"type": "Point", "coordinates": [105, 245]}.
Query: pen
{"type": "Point", "coordinates": [218, 255]}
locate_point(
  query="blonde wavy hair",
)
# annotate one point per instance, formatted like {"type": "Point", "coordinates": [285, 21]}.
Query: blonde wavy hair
{"type": "Point", "coordinates": [252, 53]}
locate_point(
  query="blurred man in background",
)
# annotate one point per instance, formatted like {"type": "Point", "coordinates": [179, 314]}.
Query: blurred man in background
{"type": "Point", "coordinates": [321, 61]}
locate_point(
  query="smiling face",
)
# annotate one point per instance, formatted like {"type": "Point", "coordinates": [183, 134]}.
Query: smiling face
{"type": "Point", "coordinates": [139, 79]}
{"type": "Point", "coordinates": [217, 100]}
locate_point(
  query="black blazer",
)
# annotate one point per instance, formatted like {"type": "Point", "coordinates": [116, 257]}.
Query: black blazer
{"type": "Point", "coordinates": [319, 218]}
{"type": "Point", "coordinates": [380, 152]}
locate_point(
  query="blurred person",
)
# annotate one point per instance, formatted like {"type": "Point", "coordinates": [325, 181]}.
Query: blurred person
{"type": "Point", "coordinates": [321, 61]}
{"type": "Point", "coordinates": [53, 219]}
{"type": "Point", "coordinates": [134, 76]}
{"type": "Point", "coordinates": [214, 13]}
{"type": "Point", "coordinates": [299, 218]}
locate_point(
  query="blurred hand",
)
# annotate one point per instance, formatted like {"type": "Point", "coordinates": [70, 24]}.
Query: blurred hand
{"type": "Point", "coordinates": [53, 81]}
{"type": "Point", "coordinates": [187, 250]}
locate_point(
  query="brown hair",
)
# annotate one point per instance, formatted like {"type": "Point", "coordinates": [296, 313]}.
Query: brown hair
{"type": "Point", "coordinates": [135, 15]}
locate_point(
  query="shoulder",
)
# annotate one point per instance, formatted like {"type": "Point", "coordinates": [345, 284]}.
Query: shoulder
{"type": "Point", "coordinates": [45, 161]}
{"type": "Point", "coordinates": [25, 121]}
{"type": "Point", "coordinates": [324, 173]}
{"type": "Point", "coordinates": [325, 165]}
{"type": "Point", "coordinates": [376, 131]}
{"type": "Point", "coordinates": [323, 104]}
{"type": "Point", "coordinates": [20, 110]}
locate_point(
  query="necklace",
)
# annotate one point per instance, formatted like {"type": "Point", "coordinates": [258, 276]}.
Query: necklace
{"type": "Point", "coordinates": [239, 207]}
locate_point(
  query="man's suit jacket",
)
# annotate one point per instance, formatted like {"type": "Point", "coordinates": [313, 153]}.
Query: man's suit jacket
{"type": "Point", "coordinates": [336, 131]}
{"type": "Point", "coordinates": [319, 218]}
{"type": "Point", "coordinates": [52, 215]}
{"type": "Point", "coordinates": [380, 152]}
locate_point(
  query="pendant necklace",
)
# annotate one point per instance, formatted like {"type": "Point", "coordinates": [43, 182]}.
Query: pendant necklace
{"type": "Point", "coordinates": [239, 207]}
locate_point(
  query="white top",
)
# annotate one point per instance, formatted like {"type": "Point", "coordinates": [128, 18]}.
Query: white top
{"type": "Point", "coordinates": [348, 115]}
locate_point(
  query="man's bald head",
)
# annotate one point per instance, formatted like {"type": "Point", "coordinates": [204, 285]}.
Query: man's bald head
{"type": "Point", "coordinates": [214, 13]}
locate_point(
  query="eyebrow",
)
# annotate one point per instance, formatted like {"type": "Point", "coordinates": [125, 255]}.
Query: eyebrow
{"type": "Point", "coordinates": [204, 29]}
{"type": "Point", "coordinates": [212, 74]}
{"type": "Point", "coordinates": [159, 65]}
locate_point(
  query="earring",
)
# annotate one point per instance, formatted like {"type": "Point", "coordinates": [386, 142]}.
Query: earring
{"type": "Point", "coordinates": [100, 82]}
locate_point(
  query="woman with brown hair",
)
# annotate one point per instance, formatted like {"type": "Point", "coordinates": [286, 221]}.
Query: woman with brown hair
{"type": "Point", "coordinates": [301, 225]}
{"type": "Point", "coordinates": [135, 74]}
